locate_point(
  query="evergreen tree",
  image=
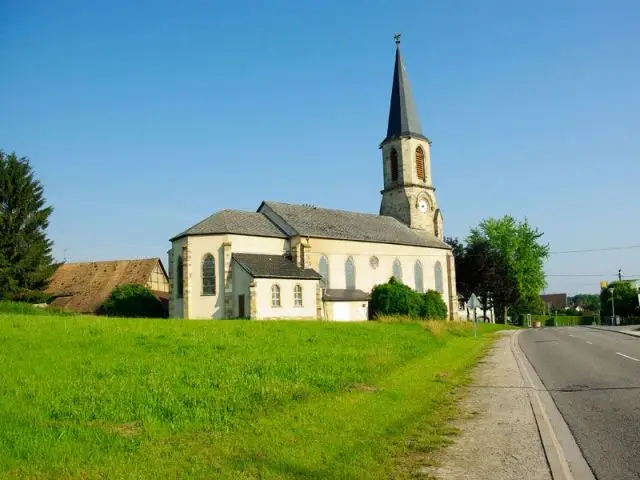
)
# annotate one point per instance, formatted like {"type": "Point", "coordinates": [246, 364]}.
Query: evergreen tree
{"type": "Point", "coordinates": [26, 263]}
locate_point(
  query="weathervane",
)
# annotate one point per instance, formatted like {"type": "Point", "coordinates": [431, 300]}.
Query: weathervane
{"type": "Point", "coordinates": [396, 37]}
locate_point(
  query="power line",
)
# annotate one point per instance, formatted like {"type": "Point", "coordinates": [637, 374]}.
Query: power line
{"type": "Point", "coordinates": [605, 249]}
{"type": "Point", "coordinates": [580, 274]}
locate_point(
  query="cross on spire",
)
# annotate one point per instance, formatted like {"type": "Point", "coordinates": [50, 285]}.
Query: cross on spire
{"type": "Point", "coordinates": [396, 37]}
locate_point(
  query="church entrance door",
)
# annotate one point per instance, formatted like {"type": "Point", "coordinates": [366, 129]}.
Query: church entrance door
{"type": "Point", "coordinates": [241, 306]}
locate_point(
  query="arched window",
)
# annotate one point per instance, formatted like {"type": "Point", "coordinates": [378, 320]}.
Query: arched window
{"type": "Point", "coordinates": [323, 267]}
{"type": "Point", "coordinates": [438, 275]}
{"type": "Point", "coordinates": [417, 269]}
{"type": "Point", "coordinates": [350, 274]}
{"type": "Point", "coordinates": [180, 278]}
{"type": "Point", "coordinates": [275, 295]}
{"type": "Point", "coordinates": [397, 270]}
{"type": "Point", "coordinates": [297, 296]}
{"type": "Point", "coordinates": [420, 163]}
{"type": "Point", "coordinates": [208, 275]}
{"type": "Point", "coordinates": [394, 164]}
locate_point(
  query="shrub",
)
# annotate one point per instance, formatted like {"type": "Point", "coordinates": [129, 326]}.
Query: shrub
{"type": "Point", "coordinates": [395, 298]}
{"type": "Point", "coordinates": [132, 300]}
{"type": "Point", "coordinates": [433, 306]}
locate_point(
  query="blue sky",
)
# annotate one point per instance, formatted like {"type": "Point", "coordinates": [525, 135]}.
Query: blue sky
{"type": "Point", "coordinates": [141, 118]}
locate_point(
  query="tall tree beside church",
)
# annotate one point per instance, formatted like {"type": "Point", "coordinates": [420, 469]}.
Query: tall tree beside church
{"type": "Point", "coordinates": [518, 243]}
{"type": "Point", "coordinates": [486, 273]}
{"type": "Point", "coordinates": [458, 249]}
{"type": "Point", "coordinates": [26, 263]}
{"type": "Point", "coordinates": [482, 270]}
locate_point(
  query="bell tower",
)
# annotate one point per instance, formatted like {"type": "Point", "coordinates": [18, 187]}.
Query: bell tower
{"type": "Point", "coordinates": [408, 193]}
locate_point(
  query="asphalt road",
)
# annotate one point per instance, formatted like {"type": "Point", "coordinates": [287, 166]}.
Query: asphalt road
{"type": "Point", "coordinates": [594, 378]}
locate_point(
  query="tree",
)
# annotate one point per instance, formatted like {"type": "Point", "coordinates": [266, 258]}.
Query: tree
{"type": "Point", "coordinates": [588, 302]}
{"type": "Point", "coordinates": [26, 263]}
{"type": "Point", "coordinates": [487, 274]}
{"type": "Point", "coordinates": [625, 297]}
{"type": "Point", "coordinates": [458, 249]}
{"type": "Point", "coordinates": [517, 243]}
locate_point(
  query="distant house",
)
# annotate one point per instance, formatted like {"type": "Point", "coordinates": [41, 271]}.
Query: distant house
{"type": "Point", "coordinates": [83, 287]}
{"type": "Point", "coordinates": [557, 301]}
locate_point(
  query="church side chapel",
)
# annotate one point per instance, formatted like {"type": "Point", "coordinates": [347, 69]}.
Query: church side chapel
{"type": "Point", "coordinates": [288, 261]}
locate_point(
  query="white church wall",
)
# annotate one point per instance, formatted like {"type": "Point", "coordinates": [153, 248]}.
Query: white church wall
{"type": "Point", "coordinates": [287, 308]}
{"type": "Point", "coordinates": [264, 245]}
{"type": "Point", "coordinates": [337, 252]}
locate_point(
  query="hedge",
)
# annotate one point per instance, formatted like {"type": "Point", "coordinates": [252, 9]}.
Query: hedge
{"type": "Point", "coordinates": [562, 320]}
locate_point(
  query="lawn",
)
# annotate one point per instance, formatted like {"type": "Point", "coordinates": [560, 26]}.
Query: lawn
{"type": "Point", "coordinates": [91, 397]}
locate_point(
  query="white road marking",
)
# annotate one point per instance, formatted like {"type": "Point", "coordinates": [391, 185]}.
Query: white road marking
{"type": "Point", "coordinates": [627, 356]}
{"type": "Point", "coordinates": [571, 335]}
{"type": "Point", "coordinates": [590, 343]}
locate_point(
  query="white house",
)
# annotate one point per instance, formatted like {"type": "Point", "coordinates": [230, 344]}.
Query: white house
{"type": "Point", "coordinates": [305, 262]}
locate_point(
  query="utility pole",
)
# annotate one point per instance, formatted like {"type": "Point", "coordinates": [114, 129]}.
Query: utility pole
{"type": "Point", "coordinates": [613, 307]}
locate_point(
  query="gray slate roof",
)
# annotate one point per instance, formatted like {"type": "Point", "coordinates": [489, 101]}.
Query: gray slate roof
{"type": "Point", "coordinates": [403, 116]}
{"type": "Point", "coordinates": [343, 225]}
{"type": "Point", "coordinates": [273, 266]}
{"type": "Point", "coordinates": [234, 221]}
{"type": "Point", "coordinates": [341, 295]}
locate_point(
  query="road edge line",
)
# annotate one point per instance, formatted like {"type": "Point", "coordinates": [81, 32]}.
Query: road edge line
{"type": "Point", "coordinates": [563, 454]}
{"type": "Point", "coordinates": [611, 331]}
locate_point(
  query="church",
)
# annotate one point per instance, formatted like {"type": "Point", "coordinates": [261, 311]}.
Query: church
{"type": "Point", "coordinates": [287, 261]}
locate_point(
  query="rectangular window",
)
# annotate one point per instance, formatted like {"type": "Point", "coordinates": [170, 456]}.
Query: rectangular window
{"type": "Point", "coordinates": [297, 296]}
{"type": "Point", "coordinates": [275, 296]}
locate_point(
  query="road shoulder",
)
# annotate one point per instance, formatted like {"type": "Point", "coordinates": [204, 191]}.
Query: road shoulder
{"type": "Point", "coordinates": [499, 439]}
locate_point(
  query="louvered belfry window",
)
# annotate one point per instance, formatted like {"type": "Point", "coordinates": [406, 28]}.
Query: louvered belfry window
{"type": "Point", "coordinates": [420, 163]}
{"type": "Point", "coordinates": [394, 164]}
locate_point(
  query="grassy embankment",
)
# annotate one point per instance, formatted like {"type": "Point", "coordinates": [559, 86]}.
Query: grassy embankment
{"type": "Point", "coordinates": [91, 397]}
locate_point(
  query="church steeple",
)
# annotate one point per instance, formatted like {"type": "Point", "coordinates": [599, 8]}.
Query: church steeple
{"type": "Point", "coordinates": [403, 116]}
{"type": "Point", "coordinates": [408, 194]}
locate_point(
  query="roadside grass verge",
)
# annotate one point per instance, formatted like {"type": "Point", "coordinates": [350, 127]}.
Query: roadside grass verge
{"type": "Point", "coordinates": [92, 397]}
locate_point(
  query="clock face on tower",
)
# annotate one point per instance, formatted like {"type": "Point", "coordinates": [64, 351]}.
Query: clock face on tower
{"type": "Point", "coordinates": [423, 206]}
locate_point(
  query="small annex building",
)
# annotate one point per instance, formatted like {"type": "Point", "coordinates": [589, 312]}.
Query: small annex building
{"type": "Point", "coordinates": [84, 286]}
{"type": "Point", "coordinates": [287, 261]}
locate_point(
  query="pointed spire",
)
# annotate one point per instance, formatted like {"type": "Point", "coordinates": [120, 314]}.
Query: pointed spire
{"type": "Point", "coordinates": [403, 116]}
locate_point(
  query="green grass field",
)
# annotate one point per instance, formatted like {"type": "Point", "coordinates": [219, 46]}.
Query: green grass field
{"type": "Point", "coordinates": [91, 397]}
